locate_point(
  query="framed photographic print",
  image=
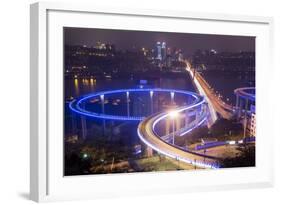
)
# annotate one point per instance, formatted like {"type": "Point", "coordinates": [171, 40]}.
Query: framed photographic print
{"type": "Point", "coordinates": [127, 102]}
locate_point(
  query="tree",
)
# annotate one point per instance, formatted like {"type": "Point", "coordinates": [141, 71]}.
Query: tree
{"type": "Point", "coordinates": [223, 126]}
{"type": "Point", "coordinates": [247, 158]}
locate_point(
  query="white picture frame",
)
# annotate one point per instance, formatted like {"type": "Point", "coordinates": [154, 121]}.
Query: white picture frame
{"type": "Point", "coordinates": [47, 182]}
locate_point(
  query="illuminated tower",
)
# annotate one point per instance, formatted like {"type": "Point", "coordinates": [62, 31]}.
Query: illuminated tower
{"type": "Point", "coordinates": [164, 51]}
{"type": "Point", "coordinates": [180, 56]}
{"type": "Point", "coordinates": [158, 48]}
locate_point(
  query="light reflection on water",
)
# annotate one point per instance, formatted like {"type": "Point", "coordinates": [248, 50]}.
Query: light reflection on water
{"type": "Point", "coordinates": [226, 84]}
{"type": "Point", "coordinates": [77, 87]}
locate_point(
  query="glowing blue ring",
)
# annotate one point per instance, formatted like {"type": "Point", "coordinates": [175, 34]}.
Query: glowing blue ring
{"type": "Point", "coordinates": [246, 93]}
{"type": "Point", "coordinates": [75, 105]}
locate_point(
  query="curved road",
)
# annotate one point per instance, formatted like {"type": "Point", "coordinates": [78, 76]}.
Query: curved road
{"type": "Point", "coordinates": [150, 138]}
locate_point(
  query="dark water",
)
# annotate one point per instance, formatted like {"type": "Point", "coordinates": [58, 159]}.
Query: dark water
{"type": "Point", "coordinates": [225, 83]}
{"type": "Point", "coordinates": [78, 87]}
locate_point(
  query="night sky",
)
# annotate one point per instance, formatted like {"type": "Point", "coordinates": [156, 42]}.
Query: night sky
{"type": "Point", "coordinates": [188, 42]}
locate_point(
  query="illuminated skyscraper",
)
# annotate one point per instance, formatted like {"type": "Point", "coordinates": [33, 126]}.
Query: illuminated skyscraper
{"type": "Point", "coordinates": [180, 56]}
{"type": "Point", "coordinates": [158, 48]}
{"type": "Point", "coordinates": [164, 51]}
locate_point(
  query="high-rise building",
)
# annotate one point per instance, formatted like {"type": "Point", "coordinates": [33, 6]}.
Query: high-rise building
{"type": "Point", "coordinates": [169, 60]}
{"type": "Point", "coordinates": [164, 51]}
{"type": "Point", "coordinates": [158, 49]}
{"type": "Point", "coordinates": [253, 125]}
{"type": "Point", "coordinates": [169, 51]}
{"type": "Point", "coordinates": [180, 56]}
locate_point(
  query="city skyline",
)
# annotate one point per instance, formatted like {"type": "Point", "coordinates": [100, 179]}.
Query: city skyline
{"type": "Point", "coordinates": [188, 42]}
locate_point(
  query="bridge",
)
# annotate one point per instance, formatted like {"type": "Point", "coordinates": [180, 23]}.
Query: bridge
{"type": "Point", "coordinates": [194, 114]}
{"type": "Point", "coordinates": [245, 100]}
{"type": "Point", "coordinates": [165, 144]}
{"type": "Point", "coordinates": [216, 105]}
{"type": "Point", "coordinates": [78, 105]}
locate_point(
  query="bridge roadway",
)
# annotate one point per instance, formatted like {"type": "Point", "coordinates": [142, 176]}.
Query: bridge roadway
{"type": "Point", "coordinates": [214, 102]}
{"type": "Point", "coordinates": [160, 144]}
{"type": "Point", "coordinates": [218, 105]}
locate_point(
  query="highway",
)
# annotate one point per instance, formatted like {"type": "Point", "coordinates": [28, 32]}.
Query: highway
{"type": "Point", "coordinates": [150, 138]}
{"type": "Point", "coordinates": [215, 103]}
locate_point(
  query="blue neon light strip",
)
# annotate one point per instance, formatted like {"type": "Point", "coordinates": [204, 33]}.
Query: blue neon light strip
{"type": "Point", "coordinates": [75, 105]}
{"type": "Point", "coordinates": [246, 93]}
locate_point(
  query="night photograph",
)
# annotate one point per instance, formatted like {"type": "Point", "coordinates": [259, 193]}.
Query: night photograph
{"type": "Point", "coordinates": [146, 101]}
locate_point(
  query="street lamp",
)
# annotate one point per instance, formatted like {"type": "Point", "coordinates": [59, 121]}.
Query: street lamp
{"type": "Point", "coordinates": [173, 114]}
{"type": "Point", "coordinates": [85, 156]}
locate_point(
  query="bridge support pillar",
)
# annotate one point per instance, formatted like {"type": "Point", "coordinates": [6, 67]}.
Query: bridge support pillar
{"type": "Point", "coordinates": [173, 132]}
{"type": "Point", "coordinates": [237, 102]}
{"type": "Point", "coordinates": [245, 123]}
{"type": "Point", "coordinates": [172, 98]}
{"type": "Point", "coordinates": [246, 105]}
{"type": "Point", "coordinates": [74, 124]}
{"type": "Point", "coordinates": [186, 119]}
{"type": "Point", "coordinates": [239, 107]}
{"type": "Point", "coordinates": [111, 130]}
{"type": "Point", "coordinates": [197, 115]}
{"type": "Point", "coordinates": [167, 126]}
{"type": "Point", "coordinates": [83, 126]}
{"type": "Point", "coordinates": [151, 102]}
{"type": "Point", "coordinates": [102, 110]}
{"type": "Point", "coordinates": [178, 121]}
{"type": "Point", "coordinates": [128, 103]}
{"type": "Point", "coordinates": [149, 152]}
